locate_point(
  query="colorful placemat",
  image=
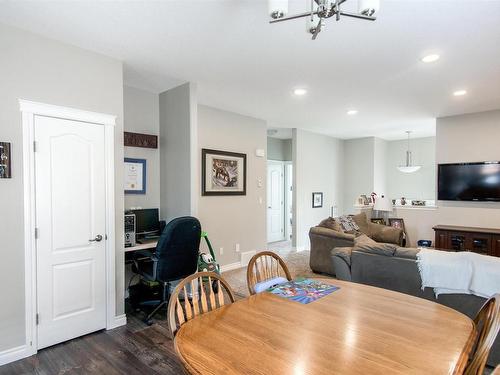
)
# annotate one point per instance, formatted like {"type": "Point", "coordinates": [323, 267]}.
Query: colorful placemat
{"type": "Point", "coordinates": [303, 290]}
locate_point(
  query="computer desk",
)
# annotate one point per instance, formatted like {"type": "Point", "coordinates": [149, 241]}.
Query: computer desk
{"type": "Point", "coordinates": [145, 245]}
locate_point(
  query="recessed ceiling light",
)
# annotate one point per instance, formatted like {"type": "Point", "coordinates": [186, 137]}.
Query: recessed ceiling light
{"type": "Point", "coordinates": [352, 112]}
{"type": "Point", "coordinates": [460, 93]}
{"type": "Point", "coordinates": [430, 58]}
{"type": "Point", "coordinates": [300, 92]}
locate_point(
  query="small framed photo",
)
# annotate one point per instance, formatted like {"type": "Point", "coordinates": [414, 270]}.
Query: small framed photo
{"type": "Point", "coordinates": [134, 176]}
{"type": "Point", "coordinates": [378, 220]}
{"type": "Point", "coordinates": [317, 200]}
{"type": "Point", "coordinates": [223, 173]}
{"type": "Point", "coordinates": [397, 223]}
{"type": "Point", "coordinates": [365, 199]}
{"type": "Point", "coordinates": [5, 165]}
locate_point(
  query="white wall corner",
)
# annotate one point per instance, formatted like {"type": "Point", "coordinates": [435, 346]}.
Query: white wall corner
{"type": "Point", "coordinates": [118, 321]}
{"type": "Point", "coordinates": [194, 153]}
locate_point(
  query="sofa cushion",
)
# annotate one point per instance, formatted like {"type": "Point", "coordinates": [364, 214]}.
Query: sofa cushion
{"type": "Point", "coordinates": [406, 252]}
{"type": "Point", "coordinates": [386, 249]}
{"type": "Point", "coordinates": [363, 239]}
{"type": "Point", "coordinates": [331, 223]}
{"type": "Point", "coordinates": [344, 253]}
{"type": "Point", "coordinates": [362, 222]}
{"type": "Point", "coordinates": [386, 234]}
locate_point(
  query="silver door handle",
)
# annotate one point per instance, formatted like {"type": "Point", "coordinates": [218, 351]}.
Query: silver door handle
{"type": "Point", "coordinates": [97, 238]}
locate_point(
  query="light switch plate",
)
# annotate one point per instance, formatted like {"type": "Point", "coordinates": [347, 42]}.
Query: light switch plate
{"type": "Point", "coordinates": [260, 153]}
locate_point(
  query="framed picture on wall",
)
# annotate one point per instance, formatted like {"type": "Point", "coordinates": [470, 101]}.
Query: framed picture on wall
{"type": "Point", "coordinates": [317, 200]}
{"type": "Point", "coordinates": [134, 176]}
{"type": "Point", "coordinates": [5, 168]}
{"type": "Point", "coordinates": [223, 173]}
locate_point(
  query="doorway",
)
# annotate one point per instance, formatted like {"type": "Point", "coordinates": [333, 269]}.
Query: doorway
{"type": "Point", "coordinates": [275, 201]}
{"type": "Point", "coordinates": [279, 188]}
{"type": "Point", "coordinates": [69, 223]}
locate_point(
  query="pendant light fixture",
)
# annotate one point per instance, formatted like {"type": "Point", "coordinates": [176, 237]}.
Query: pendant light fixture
{"type": "Point", "coordinates": [320, 11]}
{"type": "Point", "coordinates": [409, 167]}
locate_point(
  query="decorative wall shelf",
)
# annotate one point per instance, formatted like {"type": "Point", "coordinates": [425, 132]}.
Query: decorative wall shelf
{"type": "Point", "coordinates": [140, 140]}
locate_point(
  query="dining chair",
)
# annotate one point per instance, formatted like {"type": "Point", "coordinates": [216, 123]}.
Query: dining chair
{"type": "Point", "coordinates": [264, 270]}
{"type": "Point", "coordinates": [487, 324]}
{"type": "Point", "coordinates": [195, 295]}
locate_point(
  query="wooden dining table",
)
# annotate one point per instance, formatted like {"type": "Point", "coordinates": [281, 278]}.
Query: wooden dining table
{"type": "Point", "coordinates": [357, 329]}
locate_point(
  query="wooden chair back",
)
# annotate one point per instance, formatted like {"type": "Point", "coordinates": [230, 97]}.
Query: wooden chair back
{"type": "Point", "coordinates": [264, 266]}
{"type": "Point", "coordinates": [201, 293]}
{"type": "Point", "coordinates": [487, 323]}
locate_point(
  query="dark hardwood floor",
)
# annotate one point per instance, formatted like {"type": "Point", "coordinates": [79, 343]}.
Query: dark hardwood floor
{"type": "Point", "coordinates": [132, 349]}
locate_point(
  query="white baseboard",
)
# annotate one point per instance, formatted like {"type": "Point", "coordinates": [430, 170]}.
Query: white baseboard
{"type": "Point", "coordinates": [230, 267]}
{"type": "Point", "coordinates": [246, 256]}
{"type": "Point", "coordinates": [118, 321]}
{"type": "Point", "coordinates": [14, 354]}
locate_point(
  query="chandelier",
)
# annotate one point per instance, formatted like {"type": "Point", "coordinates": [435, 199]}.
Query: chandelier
{"type": "Point", "coordinates": [409, 167]}
{"type": "Point", "coordinates": [320, 11]}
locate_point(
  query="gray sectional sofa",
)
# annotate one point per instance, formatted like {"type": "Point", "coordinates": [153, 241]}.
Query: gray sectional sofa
{"type": "Point", "coordinates": [385, 266]}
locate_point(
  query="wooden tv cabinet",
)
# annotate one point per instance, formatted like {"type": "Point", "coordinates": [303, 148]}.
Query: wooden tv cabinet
{"type": "Point", "coordinates": [479, 240]}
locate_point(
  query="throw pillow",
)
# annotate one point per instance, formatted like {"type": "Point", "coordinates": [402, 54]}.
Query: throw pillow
{"type": "Point", "coordinates": [364, 240]}
{"type": "Point", "coordinates": [331, 223]}
{"type": "Point", "coordinates": [348, 224]}
{"type": "Point", "coordinates": [388, 235]}
{"type": "Point", "coordinates": [362, 221]}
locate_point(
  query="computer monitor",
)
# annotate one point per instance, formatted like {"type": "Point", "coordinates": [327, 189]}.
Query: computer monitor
{"type": "Point", "coordinates": [147, 222]}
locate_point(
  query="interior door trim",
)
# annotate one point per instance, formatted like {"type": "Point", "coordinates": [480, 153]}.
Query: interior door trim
{"type": "Point", "coordinates": [29, 111]}
{"type": "Point", "coordinates": [283, 208]}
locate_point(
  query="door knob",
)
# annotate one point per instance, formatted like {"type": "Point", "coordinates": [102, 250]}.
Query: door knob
{"type": "Point", "coordinates": [97, 238]}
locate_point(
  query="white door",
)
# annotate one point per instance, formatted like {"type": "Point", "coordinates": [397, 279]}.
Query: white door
{"type": "Point", "coordinates": [70, 221]}
{"type": "Point", "coordinates": [275, 202]}
{"type": "Point", "coordinates": [289, 200]}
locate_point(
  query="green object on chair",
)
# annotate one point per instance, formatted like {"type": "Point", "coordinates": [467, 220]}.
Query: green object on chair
{"type": "Point", "coordinates": [206, 263]}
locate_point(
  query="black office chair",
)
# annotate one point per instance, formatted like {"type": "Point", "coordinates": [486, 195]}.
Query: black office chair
{"type": "Point", "coordinates": [175, 257]}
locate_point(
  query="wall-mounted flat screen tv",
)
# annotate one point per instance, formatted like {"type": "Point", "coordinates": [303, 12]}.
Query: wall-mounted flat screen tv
{"type": "Point", "coordinates": [469, 182]}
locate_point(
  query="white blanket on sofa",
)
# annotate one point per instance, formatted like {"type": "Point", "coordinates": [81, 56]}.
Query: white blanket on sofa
{"type": "Point", "coordinates": [461, 272]}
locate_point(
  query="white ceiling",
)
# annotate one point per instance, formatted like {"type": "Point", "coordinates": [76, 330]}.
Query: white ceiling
{"type": "Point", "coordinates": [243, 64]}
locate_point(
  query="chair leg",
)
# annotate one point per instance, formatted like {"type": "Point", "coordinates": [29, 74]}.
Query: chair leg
{"type": "Point", "coordinates": [165, 298]}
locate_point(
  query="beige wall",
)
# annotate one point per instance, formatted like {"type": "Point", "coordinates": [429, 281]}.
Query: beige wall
{"type": "Point", "coordinates": [279, 149]}
{"type": "Point", "coordinates": [319, 167]}
{"type": "Point", "coordinates": [469, 138]}
{"type": "Point", "coordinates": [464, 138]}
{"type": "Point", "coordinates": [359, 156]}
{"type": "Point", "coordinates": [43, 70]}
{"type": "Point", "coordinates": [417, 185]}
{"type": "Point", "coordinates": [380, 171]}
{"type": "Point", "coordinates": [141, 115]}
{"type": "Point", "coordinates": [231, 220]}
{"type": "Point", "coordinates": [178, 160]}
